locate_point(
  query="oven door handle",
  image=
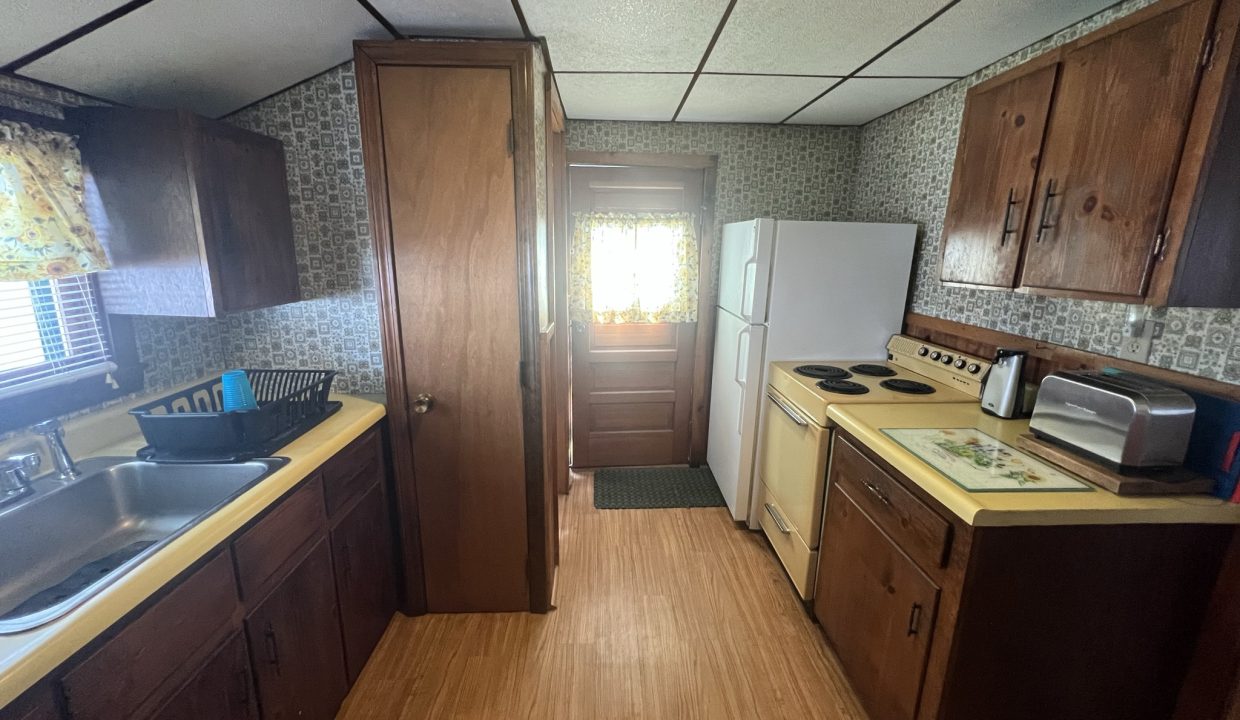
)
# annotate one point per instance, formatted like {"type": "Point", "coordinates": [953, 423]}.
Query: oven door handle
{"type": "Point", "coordinates": [792, 414]}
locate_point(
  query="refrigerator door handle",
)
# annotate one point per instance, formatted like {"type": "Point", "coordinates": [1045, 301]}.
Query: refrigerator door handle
{"type": "Point", "coordinates": [742, 355]}
{"type": "Point", "coordinates": [749, 278]}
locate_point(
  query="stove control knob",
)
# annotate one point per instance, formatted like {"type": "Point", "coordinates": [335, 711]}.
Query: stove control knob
{"type": "Point", "coordinates": [974, 369]}
{"type": "Point", "coordinates": [936, 355]}
{"type": "Point", "coordinates": [960, 363]}
{"type": "Point", "coordinates": [923, 351]}
{"type": "Point", "coordinates": [946, 359]}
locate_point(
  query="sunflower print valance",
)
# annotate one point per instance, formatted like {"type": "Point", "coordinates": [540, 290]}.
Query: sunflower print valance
{"type": "Point", "coordinates": [44, 228]}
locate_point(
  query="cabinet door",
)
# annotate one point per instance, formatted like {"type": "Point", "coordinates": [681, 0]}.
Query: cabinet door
{"type": "Point", "coordinates": [222, 689]}
{"type": "Point", "coordinates": [365, 578]}
{"type": "Point", "coordinates": [1112, 150]}
{"type": "Point", "coordinates": [996, 165]}
{"type": "Point", "coordinates": [877, 609]}
{"type": "Point", "coordinates": [246, 222]}
{"type": "Point", "coordinates": [294, 638]}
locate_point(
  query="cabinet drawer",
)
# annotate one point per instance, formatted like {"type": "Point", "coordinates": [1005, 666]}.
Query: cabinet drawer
{"type": "Point", "coordinates": [352, 471]}
{"type": "Point", "coordinates": [798, 560]}
{"type": "Point", "coordinates": [123, 675]}
{"type": "Point", "coordinates": [273, 544]}
{"type": "Point", "coordinates": [920, 531]}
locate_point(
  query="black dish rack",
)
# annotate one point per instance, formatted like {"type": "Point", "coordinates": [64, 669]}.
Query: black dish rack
{"type": "Point", "coordinates": [191, 425]}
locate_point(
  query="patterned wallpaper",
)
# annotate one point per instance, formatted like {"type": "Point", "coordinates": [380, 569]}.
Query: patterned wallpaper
{"type": "Point", "coordinates": [904, 174]}
{"type": "Point", "coordinates": [792, 172]}
{"type": "Point", "coordinates": [337, 325]}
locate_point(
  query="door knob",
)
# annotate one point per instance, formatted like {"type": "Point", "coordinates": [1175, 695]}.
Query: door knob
{"type": "Point", "coordinates": [423, 403]}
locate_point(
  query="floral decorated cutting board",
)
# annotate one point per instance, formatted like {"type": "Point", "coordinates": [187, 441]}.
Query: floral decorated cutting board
{"type": "Point", "coordinates": [978, 462]}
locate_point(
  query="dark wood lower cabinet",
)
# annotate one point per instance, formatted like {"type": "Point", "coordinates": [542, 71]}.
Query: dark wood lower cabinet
{"type": "Point", "coordinates": [223, 688]}
{"type": "Point", "coordinates": [877, 608]}
{"type": "Point", "coordinates": [365, 577]}
{"type": "Point", "coordinates": [276, 623]}
{"type": "Point", "coordinates": [294, 638]}
{"type": "Point", "coordinates": [1018, 623]}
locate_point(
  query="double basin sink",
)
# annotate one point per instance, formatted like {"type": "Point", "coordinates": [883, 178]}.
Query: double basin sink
{"type": "Point", "coordinates": [67, 541]}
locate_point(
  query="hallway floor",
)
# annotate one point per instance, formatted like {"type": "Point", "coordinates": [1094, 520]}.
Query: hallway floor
{"type": "Point", "coordinates": [661, 614]}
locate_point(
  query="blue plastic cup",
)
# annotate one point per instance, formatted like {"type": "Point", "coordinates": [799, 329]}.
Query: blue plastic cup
{"type": "Point", "coordinates": [237, 392]}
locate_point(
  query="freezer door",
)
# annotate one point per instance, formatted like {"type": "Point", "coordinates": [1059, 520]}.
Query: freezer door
{"type": "Point", "coordinates": [734, 402]}
{"type": "Point", "coordinates": [745, 268]}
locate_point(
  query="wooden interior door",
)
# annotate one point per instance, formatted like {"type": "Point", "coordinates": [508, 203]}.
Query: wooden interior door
{"type": "Point", "coordinates": [1112, 150]}
{"type": "Point", "coordinates": [876, 607]}
{"type": "Point", "coordinates": [632, 384]}
{"type": "Point", "coordinates": [996, 166]}
{"type": "Point", "coordinates": [451, 198]}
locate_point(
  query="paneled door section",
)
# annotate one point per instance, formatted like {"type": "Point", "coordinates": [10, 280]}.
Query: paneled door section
{"type": "Point", "coordinates": [632, 384]}
{"type": "Point", "coordinates": [453, 222]}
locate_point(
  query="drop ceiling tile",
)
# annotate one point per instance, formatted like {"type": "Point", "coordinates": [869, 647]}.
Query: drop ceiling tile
{"type": "Point", "coordinates": [458, 18]}
{"type": "Point", "coordinates": [860, 100]}
{"type": "Point", "coordinates": [749, 98]}
{"type": "Point", "coordinates": [812, 37]}
{"type": "Point", "coordinates": [211, 57]}
{"type": "Point", "coordinates": [621, 96]}
{"type": "Point", "coordinates": [630, 36]}
{"type": "Point", "coordinates": [976, 33]}
{"type": "Point", "coordinates": [29, 24]}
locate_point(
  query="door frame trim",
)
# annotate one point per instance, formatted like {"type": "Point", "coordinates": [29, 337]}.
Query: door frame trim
{"type": "Point", "coordinates": [708, 290]}
{"type": "Point", "coordinates": [517, 56]}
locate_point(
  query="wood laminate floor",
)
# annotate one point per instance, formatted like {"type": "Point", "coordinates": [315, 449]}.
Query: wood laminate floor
{"type": "Point", "coordinates": [660, 614]}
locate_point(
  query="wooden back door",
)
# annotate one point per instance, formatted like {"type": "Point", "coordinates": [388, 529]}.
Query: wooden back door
{"type": "Point", "coordinates": [632, 384]}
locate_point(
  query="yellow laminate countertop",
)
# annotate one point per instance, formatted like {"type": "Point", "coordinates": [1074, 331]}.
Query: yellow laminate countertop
{"type": "Point", "coordinates": [27, 657]}
{"type": "Point", "coordinates": [1100, 507]}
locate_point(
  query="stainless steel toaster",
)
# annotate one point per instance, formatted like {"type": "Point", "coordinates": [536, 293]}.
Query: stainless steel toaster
{"type": "Point", "coordinates": [1126, 421]}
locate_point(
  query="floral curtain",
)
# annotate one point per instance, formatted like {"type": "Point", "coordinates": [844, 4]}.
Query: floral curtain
{"type": "Point", "coordinates": [634, 268]}
{"type": "Point", "coordinates": [44, 230]}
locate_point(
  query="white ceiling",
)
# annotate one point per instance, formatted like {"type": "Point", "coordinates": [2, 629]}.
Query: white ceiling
{"type": "Point", "coordinates": [771, 61]}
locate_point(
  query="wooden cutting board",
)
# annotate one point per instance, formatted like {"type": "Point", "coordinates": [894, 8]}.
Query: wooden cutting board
{"type": "Point", "coordinates": [1176, 481]}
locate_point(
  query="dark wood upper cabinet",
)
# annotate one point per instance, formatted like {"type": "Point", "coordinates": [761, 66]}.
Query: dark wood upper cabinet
{"type": "Point", "coordinates": [294, 640]}
{"type": "Point", "coordinates": [996, 165]}
{"type": "Point", "coordinates": [1112, 150]}
{"type": "Point", "coordinates": [1133, 199]}
{"type": "Point", "coordinates": [196, 213]}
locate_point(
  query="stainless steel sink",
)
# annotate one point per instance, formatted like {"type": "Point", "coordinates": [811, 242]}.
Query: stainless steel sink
{"type": "Point", "coordinates": [67, 541]}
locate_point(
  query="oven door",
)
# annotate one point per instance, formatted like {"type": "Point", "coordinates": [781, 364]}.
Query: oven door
{"type": "Point", "coordinates": [794, 465]}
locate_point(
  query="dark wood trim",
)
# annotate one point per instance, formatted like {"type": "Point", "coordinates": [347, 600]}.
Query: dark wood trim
{"type": "Point", "coordinates": [378, 16]}
{"type": "Point", "coordinates": [874, 59]}
{"type": "Point", "coordinates": [525, 26]}
{"type": "Point", "coordinates": [585, 157]}
{"type": "Point", "coordinates": [413, 590]}
{"type": "Point", "coordinates": [704, 343]}
{"type": "Point", "coordinates": [727, 13]}
{"type": "Point", "coordinates": [37, 120]}
{"type": "Point", "coordinates": [1171, 280]}
{"type": "Point", "coordinates": [1045, 357]}
{"type": "Point", "coordinates": [77, 34]}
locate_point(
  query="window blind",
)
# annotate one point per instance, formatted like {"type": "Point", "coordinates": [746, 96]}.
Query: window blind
{"type": "Point", "coordinates": [51, 331]}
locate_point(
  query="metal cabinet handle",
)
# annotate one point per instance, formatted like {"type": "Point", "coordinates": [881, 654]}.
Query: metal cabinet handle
{"type": "Point", "coordinates": [423, 403]}
{"type": "Point", "coordinates": [877, 492]}
{"type": "Point", "coordinates": [914, 620]}
{"type": "Point", "coordinates": [1007, 218]}
{"type": "Point", "coordinates": [779, 521]}
{"type": "Point", "coordinates": [1043, 225]}
{"type": "Point", "coordinates": [792, 414]}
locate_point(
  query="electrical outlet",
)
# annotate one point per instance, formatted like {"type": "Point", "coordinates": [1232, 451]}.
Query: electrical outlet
{"type": "Point", "coordinates": [1137, 335]}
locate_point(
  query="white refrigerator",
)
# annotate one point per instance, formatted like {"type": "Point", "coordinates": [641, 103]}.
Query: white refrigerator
{"type": "Point", "coordinates": [792, 290]}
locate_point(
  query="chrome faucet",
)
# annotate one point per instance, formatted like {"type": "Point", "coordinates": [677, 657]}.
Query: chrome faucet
{"type": "Point", "coordinates": [51, 430]}
{"type": "Point", "coordinates": [15, 475]}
